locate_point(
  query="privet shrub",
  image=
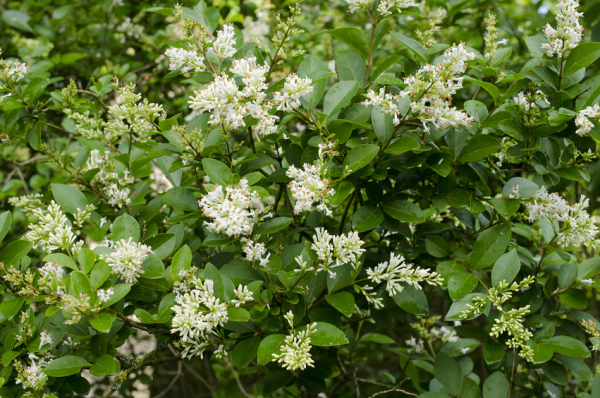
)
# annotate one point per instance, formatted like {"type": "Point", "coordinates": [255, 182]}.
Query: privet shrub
{"type": "Point", "coordinates": [290, 203]}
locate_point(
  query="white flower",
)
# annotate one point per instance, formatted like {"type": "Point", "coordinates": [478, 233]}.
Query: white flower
{"type": "Point", "coordinates": [53, 230]}
{"type": "Point", "coordinates": [256, 29]}
{"type": "Point", "coordinates": [51, 271]}
{"type": "Point", "coordinates": [583, 122]}
{"type": "Point", "coordinates": [243, 294]}
{"type": "Point", "coordinates": [295, 350]}
{"type": "Point", "coordinates": [308, 187]}
{"type": "Point", "coordinates": [14, 70]}
{"type": "Point", "coordinates": [356, 5]}
{"type": "Point", "coordinates": [385, 6]}
{"type": "Point", "coordinates": [127, 258]}
{"type": "Point", "coordinates": [568, 32]}
{"type": "Point", "coordinates": [386, 103]}
{"type": "Point", "coordinates": [416, 347]}
{"type": "Point", "coordinates": [433, 86]}
{"type": "Point", "coordinates": [397, 271]}
{"type": "Point", "coordinates": [197, 315]}
{"type": "Point", "coordinates": [464, 350]}
{"type": "Point", "coordinates": [334, 251]}
{"type": "Point", "coordinates": [45, 338]}
{"type": "Point", "coordinates": [32, 376]}
{"type": "Point", "coordinates": [185, 60]}
{"type": "Point", "coordinates": [231, 210]}
{"type": "Point", "coordinates": [589, 281]}
{"type": "Point", "coordinates": [255, 252]}
{"type": "Point", "coordinates": [222, 47]}
{"type": "Point", "coordinates": [104, 295]}
{"type": "Point", "coordinates": [293, 88]}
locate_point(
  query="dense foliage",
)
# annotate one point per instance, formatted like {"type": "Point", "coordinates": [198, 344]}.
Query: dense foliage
{"type": "Point", "coordinates": [334, 199]}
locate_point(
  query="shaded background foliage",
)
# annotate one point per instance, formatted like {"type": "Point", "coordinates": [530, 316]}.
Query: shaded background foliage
{"type": "Point", "coordinates": [85, 40]}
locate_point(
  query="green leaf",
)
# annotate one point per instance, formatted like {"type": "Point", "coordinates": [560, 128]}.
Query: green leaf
{"type": "Point", "coordinates": [86, 259]}
{"type": "Point", "coordinates": [105, 366]}
{"type": "Point", "coordinates": [180, 198]}
{"type": "Point", "coordinates": [14, 252]}
{"type": "Point", "coordinates": [477, 110]}
{"type": "Point", "coordinates": [514, 129]}
{"type": "Point", "coordinates": [383, 124]}
{"type": "Point", "coordinates": [360, 156]}
{"type": "Point", "coordinates": [461, 284]}
{"type": "Point", "coordinates": [181, 260]}
{"type": "Point", "coordinates": [162, 244]}
{"type": "Point", "coordinates": [588, 268]}
{"type": "Point", "coordinates": [339, 96]}
{"type": "Point", "coordinates": [506, 268]}
{"type": "Point", "coordinates": [413, 45]}
{"type": "Point", "coordinates": [353, 38]}
{"type": "Point", "coordinates": [11, 306]}
{"type": "Point", "coordinates": [69, 198]}
{"type": "Point", "coordinates": [496, 386]}
{"type": "Point", "coordinates": [81, 285]}
{"type": "Point", "coordinates": [351, 66]}
{"type": "Point", "coordinates": [17, 19]}
{"type": "Point", "coordinates": [367, 218]}
{"type": "Point", "coordinates": [479, 147]}
{"type": "Point", "coordinates": [326, 335]}
{"type": "Point", "coordinates": [343, 302]}
{"type": "Point", "coordinates": [462, 304]}
{"type": "Point", "coordinates": [211, 272]}
{"type": "Point", "coordinates": [534, 44]}
{"type": "Point", "coordinates": [237, 314]}
{"type": "Point", "coordinates": [568, 346]}
{"type": "Point", "coordinates": [493, 352]}
{"type": "Point", "coordinates": [447, 371]}
{"type": "Point", "coordinates": [62, 259]}
{"type": "Point", "coordinates": [402, 145]}
{"type": "Point", "coordinates": [218, 172]}
{"type": "Point", "coordinates": [245, 351]}
{"type": "Point", "coordinates": [273, 225]}
{"type": "Point", "coordinates": [412, 300]}
{"type": "Point", "coordinates": [126, 227]}
{"type": "Point", "coordinates": [65, 366]}
{"type": "Point", "coordinates": [490, 88]}
{"type": "Point", "coordinates": [120, 291]}
{"type": "Point", "coordinates": [490, 245]}
{"type": "Point", "coordinates": [103, 321]}
{"type": "Point", "coordinates": [5, 220]}
{"type": "Point", "coordinates": [405, 211]}
{"type": "Point", "coordinates": [318, 71]}
{"type": "Point", "coordinates": [377, 338]}
{"type": "Point", "coordinates": [581, 57]}
{"type": "Point", "coordinates": [437, 246]}
{"type": "Point", "coordinates": [268, 346]}
{"type": "Point", "coordinates": [527, 188]}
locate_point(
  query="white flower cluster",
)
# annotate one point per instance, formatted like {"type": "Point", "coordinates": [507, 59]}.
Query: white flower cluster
{"type": "Point", "coordinates": [32, 376]}
{"type": "Point", "coordinates": [386, 103]}
{"type": "Point", "coordinates": [309, 187]}
{"type": "Point", "coordinates": [295, 351]}
{"type": "Point", "coordinates": [197, 314]}
{"type": "Point", "coordinates": [222, 47]}
{"type": "Point", "coordinates": [105, 295]}
{"type": "Point", "coordinates": [490, 37]}
{"type": "Point", "coordinates": [568, 32]}
{"type": "Point", "coordinates": [583, 122]}
{"type": "Point", "coordinates": [578, 228]}
{"type": "Point", "coordinates": [334, 251]}
{"type": "Point", "coordinates": [13, 70]}
{"type": "Point", "coordinates": [127, 258]}
{"type": "Point", "coordinates": [231, 210]}
{"type": "Point", "coordinates": [384, 7]}
{"type": "Point", "coordinates": [395, 272]}
{"type": "Point", "coordinates": [53, 231]}
{"type": "Point", "coordinates": [432, 87]}
{"type": "Point", "coordinates": [256, 252]}
{"type": "Point", "coordinates": [229, 105]}
{"type": "Point", "coordinates": [28, 203]}
{"type": "Point", "coordinates": [45, 338]}
{"type": "Point", "coordinates": [129, 117]}
{"type": "Point", "coordinates": [527, 103]}
{"type": "Point", "coordinates": [114, 184]}
{"type": "Point", "coordinates": [415, 346]}
{"type": "Point", "coordinates": [243, 294]}
{"type": "Point", "coordinates": [129, 29]}
{"type": "Point", "coordinates": [186, 60]}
